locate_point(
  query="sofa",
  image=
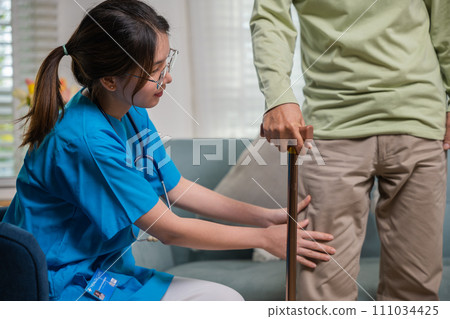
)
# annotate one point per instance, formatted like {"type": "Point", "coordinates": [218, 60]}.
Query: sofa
{"type": "Point", "coordinates": [240, 169]}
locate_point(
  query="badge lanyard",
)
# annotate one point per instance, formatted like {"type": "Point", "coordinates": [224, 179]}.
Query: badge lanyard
{"type": "Point", "coordinates": [143, 156]}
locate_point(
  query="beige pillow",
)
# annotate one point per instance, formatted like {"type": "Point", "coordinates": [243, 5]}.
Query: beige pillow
{"type": "Point", "coordinates": [260, 178]}
{"type": "Point", "coordinates": [256, 180]}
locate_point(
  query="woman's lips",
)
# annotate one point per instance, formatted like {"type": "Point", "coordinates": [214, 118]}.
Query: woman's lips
{"type": "Point", "coordinates": [159, 94]}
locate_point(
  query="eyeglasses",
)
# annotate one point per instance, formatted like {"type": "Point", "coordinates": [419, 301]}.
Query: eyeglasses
{"type": "Point", "coordinates": [170, 62]}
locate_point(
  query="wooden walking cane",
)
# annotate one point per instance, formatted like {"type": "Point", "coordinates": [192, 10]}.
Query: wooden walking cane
{"type": "Point", "coordinates": [291, 253]}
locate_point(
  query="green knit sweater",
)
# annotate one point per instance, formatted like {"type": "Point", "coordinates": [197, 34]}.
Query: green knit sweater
{"type": "Point", "coordinates": [370, 67]}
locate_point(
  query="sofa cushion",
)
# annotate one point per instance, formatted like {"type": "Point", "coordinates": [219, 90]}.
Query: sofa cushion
{"type": "Point", "coordinates": [248, 180]}
{"type": "Point", "coordinates": [368, 278]}
{"type": "Point", "coordinates": [444, 290]}
{"type": "Point", "coordinates": [205, 161]}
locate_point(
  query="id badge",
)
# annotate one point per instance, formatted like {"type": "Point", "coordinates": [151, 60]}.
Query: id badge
{"type": "Point", "coordinates": [101, 286]}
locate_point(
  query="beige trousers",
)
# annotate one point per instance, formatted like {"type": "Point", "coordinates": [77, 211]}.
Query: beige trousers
{"type": "Point", "coordinates": [411, 174]}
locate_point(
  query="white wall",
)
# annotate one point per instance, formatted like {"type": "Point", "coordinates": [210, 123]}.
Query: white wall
{"type": "Point", "coordinates": [172, 116]}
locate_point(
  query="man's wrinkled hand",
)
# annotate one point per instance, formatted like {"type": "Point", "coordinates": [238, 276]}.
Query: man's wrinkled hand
{"type": "Point", "coordinates": [283, 123]}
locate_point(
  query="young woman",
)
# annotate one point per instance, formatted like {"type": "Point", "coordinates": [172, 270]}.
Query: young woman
{"type": "Point", "coordinates": [96, 169]}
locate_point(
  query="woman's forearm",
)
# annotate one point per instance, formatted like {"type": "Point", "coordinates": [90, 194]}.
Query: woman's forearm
{"type": "Point", "coordinates": [200, 200]}
{"type": "Point", "coordinates": [200, 234]}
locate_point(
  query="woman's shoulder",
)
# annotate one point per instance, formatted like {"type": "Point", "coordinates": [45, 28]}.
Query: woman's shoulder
{"type": "Point", "coordinates": [80, 123]}
{"type": "Point", "coordinates": [80, 112]}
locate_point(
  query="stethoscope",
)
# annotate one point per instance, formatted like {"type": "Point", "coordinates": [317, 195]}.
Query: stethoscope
{"type": "Point", "coordinates": [143, 155]}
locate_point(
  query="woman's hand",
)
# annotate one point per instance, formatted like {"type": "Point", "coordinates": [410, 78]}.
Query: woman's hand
{"type": "Point", "coordinates": [309, 246]}
{"type": "Point", "coordinates": [281, 215]}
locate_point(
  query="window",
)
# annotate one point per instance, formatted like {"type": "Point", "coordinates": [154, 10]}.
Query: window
{"type": "Point", "coordinates": [6, 86]}
{"type": "Point", "coordinates": [227, 99]}
{"type": "Point", "coordinates": [28, 33]}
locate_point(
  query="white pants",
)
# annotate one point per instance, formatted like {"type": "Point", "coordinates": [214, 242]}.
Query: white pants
{"type": "Point", "coordinates": [188, 289]}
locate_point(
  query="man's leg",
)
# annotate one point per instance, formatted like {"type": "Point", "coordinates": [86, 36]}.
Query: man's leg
{"type": "Point", "coordinates": [410, 217]}
{"type": "Point", "coordinates": [339, 205]}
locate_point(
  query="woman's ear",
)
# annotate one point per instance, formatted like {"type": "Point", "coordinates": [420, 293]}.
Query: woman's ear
{"type": "Point", "coordinates": [109, 83]}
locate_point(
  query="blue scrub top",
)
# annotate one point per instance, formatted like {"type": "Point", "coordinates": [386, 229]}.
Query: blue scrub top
{"type": "Point", "coordinates": [80, 192]}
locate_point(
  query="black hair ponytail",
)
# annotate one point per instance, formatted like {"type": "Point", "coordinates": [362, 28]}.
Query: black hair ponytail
{"type": "Point", "coordinates": [47, 101]}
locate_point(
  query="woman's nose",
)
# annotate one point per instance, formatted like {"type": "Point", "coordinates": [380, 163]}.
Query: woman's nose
{"type": "Point", "coordinates": [168, 78]}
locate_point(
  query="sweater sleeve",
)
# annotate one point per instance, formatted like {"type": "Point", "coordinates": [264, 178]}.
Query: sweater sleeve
{"type": "Point", "coordinates": [439, 11]}
{"type": "Point", "coordinates": [273, 37]}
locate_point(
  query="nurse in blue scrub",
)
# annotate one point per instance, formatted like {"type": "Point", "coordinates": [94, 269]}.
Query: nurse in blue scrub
{"type": "Point", "coordinates": [96, 169]}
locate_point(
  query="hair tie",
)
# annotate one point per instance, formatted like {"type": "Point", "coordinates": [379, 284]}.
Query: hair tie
{"type": "Point", "coordinates": [65, 50]}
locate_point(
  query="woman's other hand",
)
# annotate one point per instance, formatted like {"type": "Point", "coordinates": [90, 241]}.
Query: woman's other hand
{"type": "Point", "coordinates": [310, 246]}
{"type": "Point", "coordinates": [281, 215]}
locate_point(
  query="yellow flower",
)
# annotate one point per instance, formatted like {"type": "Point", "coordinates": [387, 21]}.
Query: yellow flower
{"type": "Point", "coordinates": [30, 84]}
{"type": "Point", "coordinates": [22, 96]}
{"type": "Point", "coordinates": [26, 98]}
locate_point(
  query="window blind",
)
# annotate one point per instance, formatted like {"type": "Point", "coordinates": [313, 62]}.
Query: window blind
{"type": "Point", "coordinates": [34, 35]}
{"type": "Point", "coordinates": [6, 85]}
{"type": "Point", "coordinates": [227, 99]}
